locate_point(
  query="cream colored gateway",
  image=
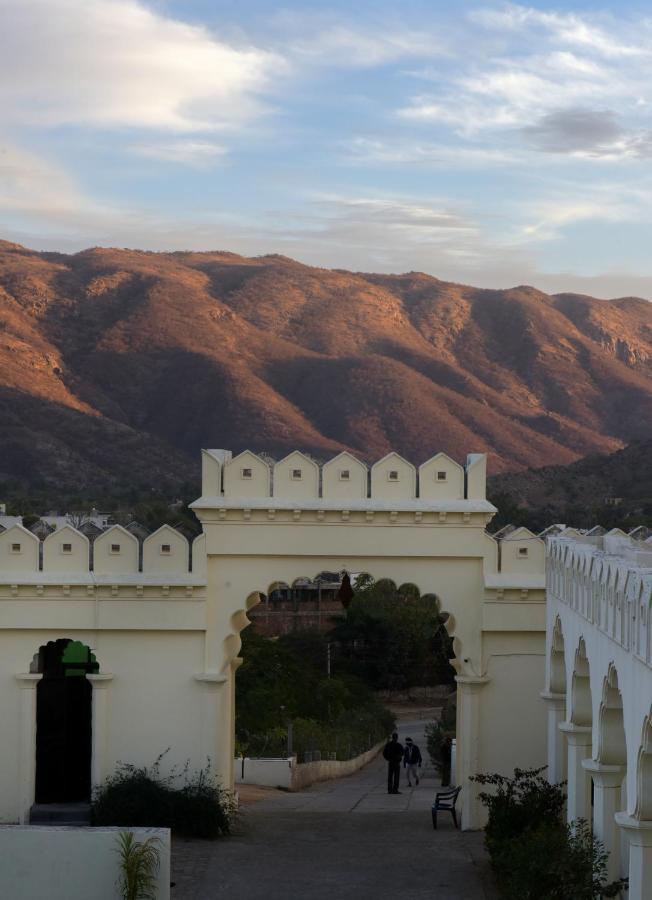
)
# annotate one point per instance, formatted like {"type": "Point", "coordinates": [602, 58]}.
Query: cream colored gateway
{"type": "Point", "coordinates": [165, 638]}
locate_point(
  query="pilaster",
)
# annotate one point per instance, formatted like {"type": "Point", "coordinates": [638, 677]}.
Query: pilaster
{"type": "Point", "coordinates": [100, 683]}
{"type": "Point", "coordinates": [468, 747]}
{"type": "Point", "coordinates": [28, 684]}
{"type": "Point", "coordinates": [579, 740]}
{"type": "Point", "coordinates": [607, 782]}
{"type": "Point", "coordinates": [215, 748]}
{"type": "Point", "coordinates": [639, 832]}
{"type": "Point", "coordinates": [557, 754]}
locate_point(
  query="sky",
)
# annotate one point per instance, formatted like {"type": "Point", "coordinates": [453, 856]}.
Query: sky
{"type": "Point", "coordinates": [487, 143]}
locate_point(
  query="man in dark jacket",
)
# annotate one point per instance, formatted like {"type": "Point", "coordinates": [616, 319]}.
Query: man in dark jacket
{"type": "Point", "coordinates": [411, 761]}
{"type": "Point", "coordinates": [393, 753]}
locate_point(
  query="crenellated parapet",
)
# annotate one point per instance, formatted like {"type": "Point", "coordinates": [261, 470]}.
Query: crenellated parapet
{"type": "Point", "coordinates": [65, 557]}
{"type": "Point", "coordinates": [610, 588]}
{"type": "Point", "coordinates": [344, 484]}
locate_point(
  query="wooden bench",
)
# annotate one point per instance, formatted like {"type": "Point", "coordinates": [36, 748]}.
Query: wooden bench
{"type": "Point", "coordinates": [445, 802]}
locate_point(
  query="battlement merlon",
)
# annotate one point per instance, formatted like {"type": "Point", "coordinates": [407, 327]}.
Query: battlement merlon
{"type": "Point", "coordinates": [390, 485]}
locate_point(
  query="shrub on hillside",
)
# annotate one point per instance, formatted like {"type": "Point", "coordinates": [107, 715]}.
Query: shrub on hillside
{"type": "Point", "coordinates": [534, 853]}
{"type": "Point", "coordinates": [139, 797]}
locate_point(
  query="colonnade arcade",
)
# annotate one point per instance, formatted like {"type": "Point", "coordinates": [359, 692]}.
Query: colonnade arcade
{"type": "Point", "coordinates": [604, 750]}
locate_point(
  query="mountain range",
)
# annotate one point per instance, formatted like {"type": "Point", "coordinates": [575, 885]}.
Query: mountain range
{"type": "Point", "coordinates": [116, 366]}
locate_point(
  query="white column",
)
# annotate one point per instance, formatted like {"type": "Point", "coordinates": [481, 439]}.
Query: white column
{"type": "Point", "coordinates": [607, 781]}
{"type": "Point", "coordinates": [468, 747]}
{"type": "Point", "coordinates": [99, 683]}
{"type": "Point", "coordinates": [26, 745]}
{"type": "Point", "coordinates": [578, 738]}
{"type": "Point", "coordinates": [557, 754]}
{"type": "Point", "coordinates": [216, 742]}
{"type": "Point", "coordinates": [639, 832]}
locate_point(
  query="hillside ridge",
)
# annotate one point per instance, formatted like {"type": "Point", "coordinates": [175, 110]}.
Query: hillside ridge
{"type": "Point", "coordinates": [141, 358]}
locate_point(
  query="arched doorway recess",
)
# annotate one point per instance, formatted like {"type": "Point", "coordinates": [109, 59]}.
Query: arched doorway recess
{"type": "Point", "coordinates": [555, 697]}
{"type": "Point", "coordinates": [579, 731]}
{"type": "Point", "coordinates": [608, 770]}
{"type": "Point", "coordinates": [265, 524]}
{"type": "Point", "coordinates": [63, 722]}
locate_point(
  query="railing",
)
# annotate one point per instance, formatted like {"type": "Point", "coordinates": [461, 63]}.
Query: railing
{"type": "Point", "coordinates": [609, 591]}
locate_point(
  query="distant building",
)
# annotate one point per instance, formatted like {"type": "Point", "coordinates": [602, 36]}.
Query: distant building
{"type": "Point", "coordinates": [305, 606]}
{"type": "Point", "coordinates": [9, 521]}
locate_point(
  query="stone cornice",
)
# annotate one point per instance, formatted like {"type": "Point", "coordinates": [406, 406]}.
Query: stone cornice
{"type": "Point", "coordinates": [351, 504]}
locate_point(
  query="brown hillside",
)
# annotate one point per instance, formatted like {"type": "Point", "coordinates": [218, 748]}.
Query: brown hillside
{"type": "Point", "coordinates": [149, 356]}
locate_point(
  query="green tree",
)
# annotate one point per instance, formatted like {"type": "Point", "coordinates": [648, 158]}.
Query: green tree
{"type": "Point", "coordinates": [394, 637]}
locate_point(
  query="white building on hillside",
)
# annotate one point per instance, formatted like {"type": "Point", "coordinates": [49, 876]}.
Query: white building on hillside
{"type": "Point", "coordinates": [599, 692]}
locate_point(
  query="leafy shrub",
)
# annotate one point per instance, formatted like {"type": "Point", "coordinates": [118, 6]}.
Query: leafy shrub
{"type": "Point", "coordinates": [534, 853]}
{"type": "Point", "coordinates": [139, 797]}
{"type": "Point", "coordinates": [439, 741]}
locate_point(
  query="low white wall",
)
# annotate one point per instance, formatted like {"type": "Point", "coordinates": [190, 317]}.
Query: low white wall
{"type": "Point", "coordinates": [266, 772]}
{"type": "Point", "coordinates": [63, 863]}
{"type": "Point", "coordinates": [292, 776]}
{"type": "Point", "coordinates": [326, 769]}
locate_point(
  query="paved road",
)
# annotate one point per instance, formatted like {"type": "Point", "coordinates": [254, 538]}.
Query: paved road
{"type": "Point", "coordinates": [339, 840]}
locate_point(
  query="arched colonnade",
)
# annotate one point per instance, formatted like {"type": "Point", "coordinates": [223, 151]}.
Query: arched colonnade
{"type": "Point", "coordinates": [599, 698]}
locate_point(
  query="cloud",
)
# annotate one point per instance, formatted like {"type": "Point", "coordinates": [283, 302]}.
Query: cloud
{"type": "Point", "coordinates": [609, 203]}
{"type": "Point", "coordinates": [568, 28]}
{"type": "Point", "coordinates": [115, 63]}
{"type": "Point", "coordinates": [196, 153]}
{"type": "Point", "coordinates": [29, 185]}
{"type": "Point", "coordinates": [576, 130]}
{"type": "Point", "coordinates": [344, 45]}
{"type": "Point", "coordinates": [565, 84]}
{"type": "Point", "coordinates": [401, 151]}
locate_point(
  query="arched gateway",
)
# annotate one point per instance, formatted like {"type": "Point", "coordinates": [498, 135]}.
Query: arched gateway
{"type": "Point", "coordinates": [265, 524]}
{"type": "Point", "coordinates": [165, 622]}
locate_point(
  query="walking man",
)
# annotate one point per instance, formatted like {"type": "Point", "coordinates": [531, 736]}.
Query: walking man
{"type": "Point", "coordinates": [412, 761]}
{"type": "Point", "coordinates": [393, 753]}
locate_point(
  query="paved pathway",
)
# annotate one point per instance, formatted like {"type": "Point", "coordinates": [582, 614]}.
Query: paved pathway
{"type": "Point", "coordinates": [338, 840]}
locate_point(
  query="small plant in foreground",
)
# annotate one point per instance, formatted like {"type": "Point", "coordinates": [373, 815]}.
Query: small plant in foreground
{"type": "Point", "coordinates": [139, 865]}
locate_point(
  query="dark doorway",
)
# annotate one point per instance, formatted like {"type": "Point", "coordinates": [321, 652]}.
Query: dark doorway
{"type": "Point", "coordinates": [63, 723]}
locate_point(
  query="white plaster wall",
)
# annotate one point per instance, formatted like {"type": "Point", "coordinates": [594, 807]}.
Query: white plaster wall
{"type": "Point", "coordinates": [266, 772]}
{"type": "Point", "coordinates": [405, 488]}
{"type": "Point", "coordinates": [211, 473]}
{"type": "Point", "coordinates": [512, 715]}
{"type": "Point", "coordinates": [70, 863]}
{"type": "Point", "coordinates": [332, 483]}
{"type": "Point", "coordinates": [287, 486]}
{"type": "Point", "coordinates": [153, 702]}
{"type": "Point", "coordinates": [155, 561]}
{"type": "Point", "coordinates": [476, 476]}
{"type": "Point", "coordinates": [634, 681]}
{"type": "Point", "coordinates": [432, 488]}
{"type": "Point", "coordinates": [199, 557]}
{"type": "Point", "coordinates": [511, 559]}
{"type": "Point", "coordinates": [124, 562]}
{"type": "Point", "coordinates": [24, 562]}
{"type": "Point", "coordinates": [54, 558]}
{"type": "Point", "coordinates": [235, 485]}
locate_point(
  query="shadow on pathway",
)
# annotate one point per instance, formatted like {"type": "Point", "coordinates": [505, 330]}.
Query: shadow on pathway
{"type": "Point", "coordinates": [343, 839]}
